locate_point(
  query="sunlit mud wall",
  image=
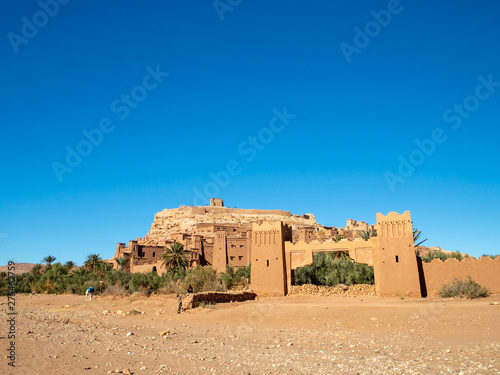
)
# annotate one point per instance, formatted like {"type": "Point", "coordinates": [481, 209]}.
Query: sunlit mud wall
{"type": "Point", "coordinates": [485, 271]}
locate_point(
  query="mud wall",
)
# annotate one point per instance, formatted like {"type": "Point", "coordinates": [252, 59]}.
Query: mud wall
{"type": "Point", "coordinates": [485, 271]}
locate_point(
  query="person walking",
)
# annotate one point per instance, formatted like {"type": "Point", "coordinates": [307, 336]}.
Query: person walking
{"type": "Point", "coordinates": [179, 300]}
{"type": "Point", "coordinates": [90, 293]}
{"type": "Point", "coordinates": [73, 290]}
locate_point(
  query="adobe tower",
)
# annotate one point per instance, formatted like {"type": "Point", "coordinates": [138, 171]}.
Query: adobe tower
{"type": "Point", "coordinates": [268, 257]}
{"type": "Point", "coordinates": [395, 261]}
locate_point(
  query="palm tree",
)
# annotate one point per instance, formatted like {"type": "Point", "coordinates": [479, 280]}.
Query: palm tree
{"type": "Point", "coordinates": [416, 236]}
{"type": "Point", "coordinates": [338, 237]}
{"type": "Point", "coordinates": [104, 267]}
{"type": "Point", "coordinates": [79, 272]}
{"type": "Point", "coordinates": [69, 265]}
{"type": "Point", "coordinates": [37, 269]}
{"type": "Point", "coordinates": [367, 234]}
{"type": "Point", "coordinates": [3, 275]}
{"type": "Point", "coordinates": [93, 262]}
{"type": "Point", "coordinates": [122, 262]}
{"type": "Point", "coordinates": [341, 255]}
{"type": "Point", "coordinates": [48, 260]}
{"type": "Point", "coordinates": [175, 257]}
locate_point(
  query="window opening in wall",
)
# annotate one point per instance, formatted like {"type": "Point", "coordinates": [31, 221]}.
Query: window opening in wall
{"type": "Point", "coordinates": [154, 254]}
{"type": "Point", "coordinates": [397, 259]}
{"type": "Point", "coordinates": [268, 262]}
{"type": "Point", "coordinates": [240, 257]}
{"type": "Point", "coordinates": [232, 257]}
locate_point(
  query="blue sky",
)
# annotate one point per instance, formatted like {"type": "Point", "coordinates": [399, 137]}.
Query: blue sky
{"type": "Point", "coordinates": [312, 107]}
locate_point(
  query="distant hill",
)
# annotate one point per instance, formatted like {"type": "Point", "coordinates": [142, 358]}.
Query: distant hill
{"type": "Point", "coordinates": [20, 268]}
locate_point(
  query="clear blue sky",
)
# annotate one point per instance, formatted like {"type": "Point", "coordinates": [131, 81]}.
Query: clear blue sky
{"type": "Point", "coordinates": [333, 95]}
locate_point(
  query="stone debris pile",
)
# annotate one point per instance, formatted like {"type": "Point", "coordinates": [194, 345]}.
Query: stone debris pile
{"type": "Point", "coordinates": [340, 290]}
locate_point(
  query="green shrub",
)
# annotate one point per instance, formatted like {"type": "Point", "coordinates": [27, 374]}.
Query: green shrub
{"type": "Point", "coordinates": [4, 287]}
{"type": "Point", "coordinates": [304, 275]}
{"type": "Point", "coordinates": [243, 273]}
{"type": "Point", "coordinates": [492, 256]}
{"type": "Point", "coordinates": [202, 279]}
{"type": "Point", "coordinates": [327, 270]}
{"type": "Point", "coordinates": [23, 282]}
{"type": "Point", "coordinates": [227, 278]}
{"type": "Point", "coordinates": [82, 279]}
{"type": "Point", "coordinates": [144, 281]}
{"type": "Point", "coordinates": [463, 288]}
{"type": "Point", "coordinates": [431, 255]}
{"type": "Point", "coordinates": [231, 277]}
{"type": "Point", "coordinates": [113, 277]}
{"type": "Point", "coordinates": [55, 280]}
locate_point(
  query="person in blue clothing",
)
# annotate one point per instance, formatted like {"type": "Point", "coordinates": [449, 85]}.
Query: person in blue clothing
{"type": "Point", "coordinates": [89, 293]}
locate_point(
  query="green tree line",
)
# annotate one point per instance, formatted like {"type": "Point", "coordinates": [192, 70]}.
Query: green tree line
{"type": "Point", "coordinates": [51, 277]}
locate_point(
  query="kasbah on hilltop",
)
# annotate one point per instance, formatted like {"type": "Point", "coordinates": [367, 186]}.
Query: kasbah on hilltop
{"type": "Point", "coordinates": [276, 243]}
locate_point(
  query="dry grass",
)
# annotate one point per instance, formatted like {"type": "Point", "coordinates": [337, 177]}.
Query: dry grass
{"type": "Point", "coordinates": [116, 290]}
{"type": "Point", "coordinates": [464, 288]}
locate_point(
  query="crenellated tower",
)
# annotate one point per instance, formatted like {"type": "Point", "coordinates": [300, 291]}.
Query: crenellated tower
{"type": "Point", "coordinates": [268, 257]}
{"type": "Point", "coordinates": [395, 262]}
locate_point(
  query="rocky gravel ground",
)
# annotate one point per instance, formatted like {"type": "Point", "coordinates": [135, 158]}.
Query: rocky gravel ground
{"type": "Point", "coordinates": [298, 334]}
{"type": "Point", "coordinates": [337, 290]}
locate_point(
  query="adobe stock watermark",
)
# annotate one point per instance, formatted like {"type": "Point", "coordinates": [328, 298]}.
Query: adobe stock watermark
{"type": "Point", "coordinates": [122, 108]}
{"type": "Point", "coordinates": [248, 148]}
{"type": "Point", "coordinates": [455, 115]}
{"type": "Point", "coordinates": [31, 26]}
{"type": "Point", "coordinates": [11, 314]}
{"type": "Point", "coordinates": [261, 313]}
{"type": "Point", "coordinates": [224, 6]}
{"type": "Point", "coordinates": [364, 36]}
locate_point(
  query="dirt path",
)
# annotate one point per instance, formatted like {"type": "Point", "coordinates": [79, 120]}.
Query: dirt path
{"type": "Point", "coordinates": [290, 335]}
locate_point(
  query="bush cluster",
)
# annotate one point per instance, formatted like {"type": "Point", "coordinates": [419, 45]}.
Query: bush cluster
{"type": "Point", "coordinates": [231, 278]}
{"type": "Point", "coordinates": [57, 279]}
{"type": "Point", "coordinates": [431, 255]}
{"type": "Point", "coordinates": [327, 270]}
{"type": "Point", "coordinates": [492, 256]}
{"type": "Point", "coordinates": [463, 288]}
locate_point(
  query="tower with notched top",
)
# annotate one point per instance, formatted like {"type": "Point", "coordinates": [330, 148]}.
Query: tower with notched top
{"type": "Point", "coordinates": [268, 257]}
{"type": "Point", "coordinates": [395, 261]}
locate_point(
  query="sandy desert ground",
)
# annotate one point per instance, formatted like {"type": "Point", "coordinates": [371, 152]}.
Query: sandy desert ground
{"type": "Point", "coordinates": [290, 335]}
